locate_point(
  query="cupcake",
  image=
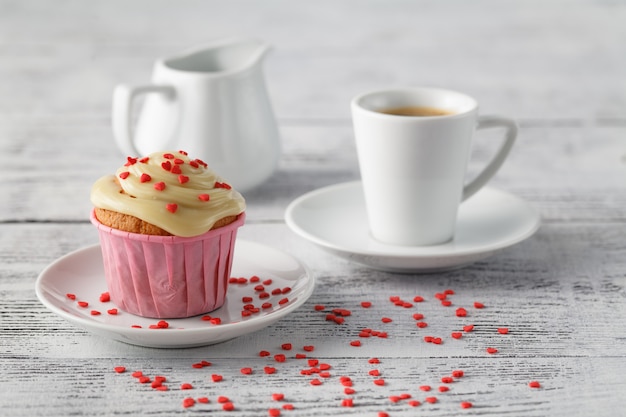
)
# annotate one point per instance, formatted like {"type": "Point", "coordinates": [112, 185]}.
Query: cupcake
{"type": "Point", "coordinates": [167, 225]}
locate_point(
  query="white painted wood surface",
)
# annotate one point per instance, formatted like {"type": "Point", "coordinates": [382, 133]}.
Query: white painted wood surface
{"type": "Point", "coordinates": [556, 66]}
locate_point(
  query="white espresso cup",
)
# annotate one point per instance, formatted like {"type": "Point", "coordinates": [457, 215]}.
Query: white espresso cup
{"type": "Point", "coordinates": [413, 147]}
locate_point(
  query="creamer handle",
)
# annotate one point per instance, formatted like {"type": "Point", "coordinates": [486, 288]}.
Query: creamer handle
{"type": "Point", "coordinates": [123, 97]}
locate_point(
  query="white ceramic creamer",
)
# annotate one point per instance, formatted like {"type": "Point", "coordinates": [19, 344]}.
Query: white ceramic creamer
{"type": "Point", "coordinates": [211, 102]}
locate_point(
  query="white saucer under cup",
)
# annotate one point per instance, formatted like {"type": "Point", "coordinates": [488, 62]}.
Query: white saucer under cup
{"type": "Point", "coordinates": [334, 218]}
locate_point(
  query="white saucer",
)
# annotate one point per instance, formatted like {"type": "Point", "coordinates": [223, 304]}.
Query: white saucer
{"type": "Point", "coordinates": [334, 218]}
{"type": "Point", "coordinates": [82, 273]}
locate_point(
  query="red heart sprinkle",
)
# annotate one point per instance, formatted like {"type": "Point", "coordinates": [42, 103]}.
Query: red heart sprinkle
{"type": "Point", "coordinates": [286, 346]}
{"type": "Point", "coordinates": [124, 175]}
{"type": "Point", "coordinates": [204, 197]}
{"type": "Point", "coordinates": [478, 305]}
{"type": "Point", "coordinates": [457, 335]}
{"type": "Point", "coordinates": [167, 165]}
{"type": "Point", "coordinates": [216, 378]}
{"type": "Point", "coordinates": [491, 350]}
{"type": "Point", "coordinates": [379, 382]}
{"type": "Point", "coordinates": [183, 179]}
{"type": "Point", "coordinates": [278, 396]}
{"type": "Point", "coordinates": [145, 177]}
{"type": "Point", "coordinates": [468, 328]}
{"type": "Point", "coordinates": [466, 404]}
{"type": "Point", "coordinates": [503, 330]}
{"type": "Point", "coordinates": [222, 185]}
{"type": "Point", "coordinates": [308, 348]}
{"type": "Point", "coordinates": [188, 402]}
{"type": "Point", "coordinates": [355, 343]}
{"type": "Point", "coordinates": [269, 370]}
{"type": "Point", "coordinates": [458, 373]}
{"type": "Point", "coordinates": [120, 369]}
{"type": "Point", "coordinates": [534, 384]}
{"type": "Point", "coordinates": [347, 402]}
{"type": "Point", "coordinates": [366, 304]}
{"type": "Point", "coordinates": [176, 169]}
{"type": "Point", "coordinates": [159, 186]}
{"type": "Point", "coordinates": [171, 207]}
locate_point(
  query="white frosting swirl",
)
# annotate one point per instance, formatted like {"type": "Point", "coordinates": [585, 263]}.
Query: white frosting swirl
{"type": "Point", "coordinates": [169, 190]}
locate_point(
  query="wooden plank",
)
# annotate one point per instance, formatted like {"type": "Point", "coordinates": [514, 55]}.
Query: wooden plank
{"type": "Point", "coordinates": [563, 270]}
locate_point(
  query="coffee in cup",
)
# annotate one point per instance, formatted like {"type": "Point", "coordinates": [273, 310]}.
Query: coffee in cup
{"type": "Point", "coordinates": [417, 111]}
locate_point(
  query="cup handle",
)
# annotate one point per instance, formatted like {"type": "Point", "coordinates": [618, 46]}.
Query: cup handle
{"type": "Point", "coordinates": [487, 122]}
{"type": "Point", "coordinates": [123, 97]}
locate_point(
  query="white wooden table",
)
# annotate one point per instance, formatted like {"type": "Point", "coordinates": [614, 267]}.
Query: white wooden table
{"type": "Point", "coordinates": [558, 67]}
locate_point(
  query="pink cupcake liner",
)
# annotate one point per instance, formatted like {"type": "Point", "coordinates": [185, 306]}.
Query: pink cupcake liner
{"type": "Point", "coordinates": [168, 276]}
